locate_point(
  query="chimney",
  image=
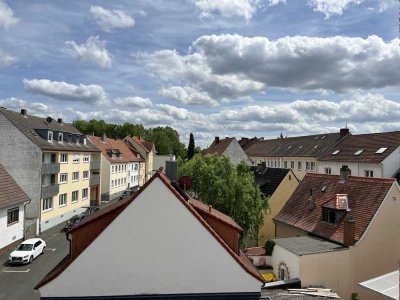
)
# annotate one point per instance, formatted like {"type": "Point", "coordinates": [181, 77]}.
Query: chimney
{"type": "Point", "coordinates": [59, 120]}
{"type": "Point", "coordinates": [349, 232]}
{"type": "Point", "coordinates": [104, 137]}
{"type": "Point", "coordinates": [216, 140]}
{"type": "Point", "coordinates": [209, 208]}
{"type": "Point", "coordinates": [49, 119]}
{"type": "Point", "coordinates": [24, 112]}
{"type": "Point", "coordinates": [345, 172]}
{"type": "Point", "coordinates": [344, 132]}
{"type": "Point", "coordinates": [311, 202]}
{"type": "Point", "coordinates": [171, 170]}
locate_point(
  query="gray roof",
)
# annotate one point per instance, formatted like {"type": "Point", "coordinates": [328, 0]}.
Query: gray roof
{"type": "Point", "coordinates": [303, 245]}
{"type": "Point", "coordinates": [10, 192]}
{"type": "Point", "coordinates": [29, 125]}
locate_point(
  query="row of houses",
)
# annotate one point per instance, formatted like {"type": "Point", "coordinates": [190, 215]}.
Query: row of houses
{"type": "Point", "coordinates": [61, 170]}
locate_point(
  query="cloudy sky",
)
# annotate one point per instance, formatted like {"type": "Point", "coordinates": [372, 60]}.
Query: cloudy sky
{"type": "Point", "coordinates": [211, 67]}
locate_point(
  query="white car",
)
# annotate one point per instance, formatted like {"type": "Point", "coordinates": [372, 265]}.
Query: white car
{"type": "Point", "coordinates": [27, 251]}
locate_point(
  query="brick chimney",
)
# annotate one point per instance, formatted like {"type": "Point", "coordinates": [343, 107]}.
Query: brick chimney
{"type": "Point", "coordinates": [344, 132]}
{"type": "Point", "coordinates": [24, 112]}
{"type": "Point", "coordinates": [216, 140]}
{"type": "Point", "coordinates": [345, 172]}
{"type": "Point", "coordinates": [349, 231]}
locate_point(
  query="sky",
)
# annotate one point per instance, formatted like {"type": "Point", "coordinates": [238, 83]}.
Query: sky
{"type": "Point", "coordinates": [240, 68]}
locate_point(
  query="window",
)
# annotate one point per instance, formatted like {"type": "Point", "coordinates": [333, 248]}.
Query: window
{"type": "Point", "coordinates": [63, 177]}
{"type": "Point", "coordinates": [292, 164]}
{"type": "Point", "coordinates": [75, 196]}
{"type": "Point", "coordinates": [136, 167]}
{"type": "Point", "coordinates": [369, 173]}
{"type": "Point", "coordinates": [50, 136]}
{"type": "Point", "coordinates": [85, 193]}
{"type": "Point", "coordinates": [112, 183]}
{"type": "Point", "coordinates": [335, 152]}
{"type": "Point", "coordinates": [358, 152]}
{"type": "Point", "coordinates": [75, 159]}
{"type": "Point", "coordinates": [112, 169]}
{"type": "Point", "coordinates": [85, 175]}
{"type": "Point", "coordinates": [119, 168]}
{"type": "Point", "coordinates": [60, 137]}
{"type": "Point", "coordinates": [276, 164]}
{"type": "Point", "coordinates": [62, 200]}
{"type": "Point", "coordinates": [12, 215]}
{"type": "Point", "coordinates": [64, 158]}
{"type": "Point", "coordinates": [75, 176]}
{"type": "Point", "coordinates": [299, 165]}
{"type": "Point", "coordinates": [47, 204]}
{"type": "Point", "coordinates": [84, 141]}
{"type": "Point", "coordinates": [86, 158]}
{"type": "Point", "coordinates": [328, 170]}
{"type": "Point", "coordinates": [329, 216]}
{"type": "Point", "coordinates": [310, 165]}
{"type": "Point", "coordinates": [119, 182]}
{"type": "Point", "coordinates": [381, 150]}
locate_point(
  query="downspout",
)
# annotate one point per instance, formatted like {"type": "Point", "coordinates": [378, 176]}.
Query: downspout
{"type": "Point", "coordinates": [24, 222]}
{"type": "Point", "coordinates": [67, 234]}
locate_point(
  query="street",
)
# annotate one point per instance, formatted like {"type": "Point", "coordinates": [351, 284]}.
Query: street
{"type": "Point", "coordinates": [17, 281]}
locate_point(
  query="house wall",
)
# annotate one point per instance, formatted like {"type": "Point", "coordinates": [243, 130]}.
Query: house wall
{"type": "Point", "coordinates": [142, 173]}
{"type": "Point", "coordinates": [149, 164]}
{"type": "Point", "coordinates": [378, 251]}
{"type": "Point", "coordinates": [284, 230]}
{"type": "Point", "coordinates": [391, 164]}
{"type": "Point", "coordinates": [329, 269]}
{"type": "Point", "coordinates": [117, 190]}
{"type": "Point", "coordinates": [282, 257]}
{"type": "Point", "coordinates": [155, 238]}
{"type": "Point", "coordinates": [357, 169]}
{"type": "Point", "coordinates": [133, 174]}
{"type": "Point", "coordinates": [276, 202]}
{"type": "Point", "coordinates": [236, 153]}
{"type": "Point", "coordinates": [23, 161]}
{"type": "Point", "coordinates": [105, 177]}
{"type": "Point", "coordinates": [160, 160]}
{"type": "Point", "coordinates": [11, 233]}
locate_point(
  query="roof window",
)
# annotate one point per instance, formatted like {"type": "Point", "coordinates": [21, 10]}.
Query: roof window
{"type": "Point", "coordinates": [335, 152]}
{"type": "Point", "coordinates": [316, 138]}
{"type": "Point", "coordinates": [316, 146]}
{"type": "Point", "coordinates": [323, 137]}
{"type": "Point", "coordinates": [358, 152]}
{"type": "Point", "coordinates": [50, 136]}
{"type": "Point", "coordinates": [381, 150]}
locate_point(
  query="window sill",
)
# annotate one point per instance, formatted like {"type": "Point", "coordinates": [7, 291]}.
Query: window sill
{"type": "Point", "coordinates": [63, 182]}
{"type": "Point", "coordinates": [62, 205]}
{"type": "Point", "coordinates": [75, 201]}
{"type": "Point", "coordinates": [85, 198]}
{"type": "Point", "coordinates": [47, 210]}
{"type": "Point", "coordinates": [63, 162]}
{"type": "Point", "coordinates": [75, 180]}
{"type": "Point", "coordinates": [85, 179]}
{"type": "Point", "coordinates": [13, 223]}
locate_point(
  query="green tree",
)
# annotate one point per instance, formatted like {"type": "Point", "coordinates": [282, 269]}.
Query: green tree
{"type": "Point", "coordinates": [230, 189]}
{"type": "Point", "coordinates": [166, 140]}
{"type": "Point", "coordinates": [190, 151]}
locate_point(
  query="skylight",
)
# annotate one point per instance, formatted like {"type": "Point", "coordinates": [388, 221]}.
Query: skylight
{"type": "Point", "coordinates": [335, 152]}
{"type": "Point", "coordinates": [316, 138]}
{"type": "Point", "coordinates": [381, 150]}
{"type": "Point", "coordinates": [323, 137]}
{"type": "Point", "coordinates": [316, 146]}
{"type": "Point", "coordinates": [358, 152]}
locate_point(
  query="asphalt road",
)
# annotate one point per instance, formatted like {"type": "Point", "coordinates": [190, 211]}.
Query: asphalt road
{"type": "Point", "coordinates": [17, 281]}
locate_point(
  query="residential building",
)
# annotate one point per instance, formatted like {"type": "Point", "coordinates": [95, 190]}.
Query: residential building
{"type": "Point", "coordinates": [370, 155]}
{"type": "Point", "coordinates": [300, 154]}
{"type": "Point", "coordinates": [51, 161]}
{"type": "Point", "coordinates": [278, 185]}
{"type": "Point", "coordinates": [12, 204]}
{"type": "Point", "coordinates": [147, 150]}
{"type": "Point", "coordinates": [161, 160]}
{"type": "Point", "coordinates": [230, 148]}
{"type": "Point", "coordinates": [158, 244]}
{"type": "Point", "coordinates": [338, 231]}
{"type": "Point", "coordinates": [120, 167]}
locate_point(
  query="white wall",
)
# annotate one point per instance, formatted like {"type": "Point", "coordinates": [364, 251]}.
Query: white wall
{"type": "Point", "coordinates": [12, 233]}
{"type": "Point", "coordinates": [236, 153]}
{"type": "Point", "coordinates": [391, 163]}
{"type": "Point", "coordinates": [291, 260]}
{"type": "Point", "coordinates": [155, 246]}
{"type": "Point", "coordinates": [357, 169]}
{"type": "Point", "coordinates": [133, 175]}
{"type": "Point", "coordinates": [160, 161]}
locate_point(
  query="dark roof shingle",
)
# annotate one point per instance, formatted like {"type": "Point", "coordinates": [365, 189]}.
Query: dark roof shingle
{"type": "Point", "coordinates": [268, 179]}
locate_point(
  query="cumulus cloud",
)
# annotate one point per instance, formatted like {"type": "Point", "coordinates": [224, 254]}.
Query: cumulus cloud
{"type": "Point", "coordinates": [229, 67]}
{"type": "Point", "coordinates": [64, 91]}
{"type": "Point", "coordinates": [7, 18]}
{"type": "Point", "coordinates": [133, 101]}
{"type": "Point", "coordinates": [6, 59]}
{"type": "Point", "coordinates": [231, 8]}
{"type": "Point", "coordinates": [93, 51]}
{"type": "Point", "coordinates": [110, 19]}
{"type": "Point", "coordinates": [35, 108]}
{"type": "Point", "coordinates": [330, 8]}
{"type": "Point", "coordinates": [187, 95]}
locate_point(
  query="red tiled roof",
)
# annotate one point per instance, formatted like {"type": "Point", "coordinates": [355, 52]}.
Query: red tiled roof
{"type": "Point", "coordinates": [10, 192]}
{"type": "Point", "coordinates": [147, 146]}
{"type": "Point", "coordinates": [365, 196]}
{"type": "Point", "coordinates": [218, 146]}
{"type": "Point", "coordinates": [110, 144]}
{"type": "Point", "coordinates": [369, 143]}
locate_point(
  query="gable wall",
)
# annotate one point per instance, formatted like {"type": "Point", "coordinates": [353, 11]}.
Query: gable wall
{"type": "Point", "coordinates": [236, 153]}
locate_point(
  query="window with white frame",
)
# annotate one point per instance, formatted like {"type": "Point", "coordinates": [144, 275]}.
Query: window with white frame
{"type": "Point", "coordinates": [47, 204]}
{"type": "Point", "coordinates": [63, 177]}
{"type": "Point", "coordinates": [86, 158]}
{"type": "Point", "coordinates": [369, 173]}
{"type": "Point", "coordinates": [112, 183]}
{"type": "Point", "coordinates": [62, 200]}
{"type": "Point", "coordinates": [63, 158]}
{"type": "Point", "coordinates": [136, 167]}
{"type": "Point", "coordinates": [313, 166]}
{"type": "Point", "coordinates": [12, 215]}
{"type": "Point", "coordinates": [119, 182]}
{"type": "Point", "coordinates": [328, 170]}
{"type": "Point", "coordinates": [285, 164]}
{"type": "Point", "coordinates": [292, 164]}
{"type": "Point", "coordinates": [299, 165]}
{"type": "Point", "coordinates": [85, 193]}
{"type": "Point", "coordinates": [50, 136]}
{"type": "Point", "coordinates": [112, 169]}
{"type": "Point", "coordinates": [76, 158]}
{"type": "Point", "coordinates": [60, 137]}
{"type": "Point", "coordinates": [75, 176]}
{"type": "Point", "coordinates": [85, 174]}
{"type": "Point", "coordinates": [75, 196]}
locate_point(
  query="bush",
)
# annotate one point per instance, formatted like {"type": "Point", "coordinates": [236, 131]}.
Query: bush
{"type": "Point", "coordinates": [269, 247]}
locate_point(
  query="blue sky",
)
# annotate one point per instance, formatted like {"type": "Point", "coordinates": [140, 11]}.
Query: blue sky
{"type": "Point", "coordinates": [214, 68]}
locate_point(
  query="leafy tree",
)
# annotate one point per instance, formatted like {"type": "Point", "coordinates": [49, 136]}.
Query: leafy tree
{"type": "Point", "coordinates": [190, 151]}
{"type": "Point", "coordinates": [230, 189]}
{"type": "Point", "coordinates": [166, 140]}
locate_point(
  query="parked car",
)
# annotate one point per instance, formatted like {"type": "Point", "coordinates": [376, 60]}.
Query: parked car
{"type": "Point", "coordinates": [90, 209]}
{"type": "Point", "coordinates": [125, 194]}
{"type": "Point", "coordinates": [27, 251]}
{"type": "Point", "coordinates": [73, 221]}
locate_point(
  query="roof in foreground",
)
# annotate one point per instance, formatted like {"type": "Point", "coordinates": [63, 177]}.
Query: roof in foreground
{"type": "Point", "coordinates": [386, 285]}
{"type": "Point", "coordinates": [303, 245]}
{"type": "Point", "coordinates": [10, 192]}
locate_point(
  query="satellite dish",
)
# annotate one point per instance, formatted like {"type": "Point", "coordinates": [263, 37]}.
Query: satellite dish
{"type": "Point", "coordinates": [185, 183]}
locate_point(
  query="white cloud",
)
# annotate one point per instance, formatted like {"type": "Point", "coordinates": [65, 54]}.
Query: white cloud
{"type": "Point", "coordinates": [35, 108]}
{"type": "Point", "coordinates": [110, 19]}
{"type": "Point", "coordinates": [187, 95]}
{"type": "Point", "coordinates": [133, 101]}
{"type": "Point", "coordinates": [93, 51]}
{"type": "Point", "coordinates": [6, 59]}
{"type": "Point", "coordinates": [229, 67]}
{"type": "Point", "coordinates": [331, 8]}
{"type": "Point", "coordinates": [64, 91]}
{"type": "Point", "coordinates": [7, 18]}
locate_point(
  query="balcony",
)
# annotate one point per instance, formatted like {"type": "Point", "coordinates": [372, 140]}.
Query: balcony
{"type": "Point", "coordinates": [95, 165]}
{"type": "Point", "coordinates": [94, 180]}
{"type": "Point", "coordinates": [50, 190]}
{"type": "Point", "coordinates": [51, 168]}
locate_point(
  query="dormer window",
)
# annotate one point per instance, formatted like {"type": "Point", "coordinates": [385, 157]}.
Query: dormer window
{"type": "Point", "coordinates": [50, 136]}
{"type": "Point", "coordinates": [84, 141]}
{"type": "Point", "coordinates": [335, 152]}
{"type": "Point", "coordinates": [329, 216]}
{"type": "Point", "coordinates": [60, 137]}
{"type": "Point", "coordinates": [358, 152]}
{"type": "Point", "coordinates": [381, 150]}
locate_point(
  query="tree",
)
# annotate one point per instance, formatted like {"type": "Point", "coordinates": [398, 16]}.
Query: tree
{"type": "Point", "coordinates": [166, 140]}
{"type": "Point", "coordinates": [230, 189]}
{"type": "Point", "coordinates": [190, 151]}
